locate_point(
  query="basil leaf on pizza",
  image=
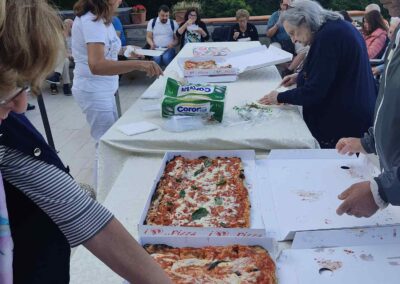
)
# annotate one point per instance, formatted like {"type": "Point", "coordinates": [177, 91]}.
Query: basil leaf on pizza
{"type": "Point", "coordinates": [199, 213]}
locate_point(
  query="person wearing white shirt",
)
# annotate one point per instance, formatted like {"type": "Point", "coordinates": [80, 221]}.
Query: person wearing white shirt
{"type": "Point", "coordinates": [161, 34]}
{"type": "Point", "coordinates": [95, 48]}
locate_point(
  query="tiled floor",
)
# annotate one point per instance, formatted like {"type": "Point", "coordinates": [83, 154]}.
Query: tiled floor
{"type": "Point", "coordinates": [70, 131]}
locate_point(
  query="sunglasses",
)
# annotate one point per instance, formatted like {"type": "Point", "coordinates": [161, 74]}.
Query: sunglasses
{"type": "Point", "coordinates": [6, 101]}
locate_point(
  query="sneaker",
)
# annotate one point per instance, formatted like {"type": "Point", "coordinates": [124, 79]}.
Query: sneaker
{"type": "Point", "coordinates": [54, 79]}
{"type": "Point", "coordinates": [53, 89]}
{"type": "Point", "coordinates": [30, 107]}
{"type": "Point", "coordinates": [67, 90]}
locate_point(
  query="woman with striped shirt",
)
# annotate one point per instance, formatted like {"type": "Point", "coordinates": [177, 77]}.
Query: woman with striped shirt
{"type": "Point", "coordinates": [43, 207]}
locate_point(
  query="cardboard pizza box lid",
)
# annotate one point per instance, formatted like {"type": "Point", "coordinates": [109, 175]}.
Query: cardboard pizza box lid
{"type": "Point", "coordinates": [299, 189]}
{"type": "Point", "coordinates": [367, 264]}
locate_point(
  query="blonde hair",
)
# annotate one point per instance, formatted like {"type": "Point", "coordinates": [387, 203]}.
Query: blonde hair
{"type": "Point", "coordinates": [242, 13]}
{"type": "Point", "coordinates": [31, 39]}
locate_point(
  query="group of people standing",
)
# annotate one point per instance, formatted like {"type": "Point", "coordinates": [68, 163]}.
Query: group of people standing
{"type": "Point", "coordinates": [43, 212]}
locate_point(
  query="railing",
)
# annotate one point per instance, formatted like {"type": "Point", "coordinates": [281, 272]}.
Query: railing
{"type": "Point", "coordinates": [136, 34]}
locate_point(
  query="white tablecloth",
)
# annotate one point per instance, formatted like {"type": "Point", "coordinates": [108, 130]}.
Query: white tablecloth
{"type": "Point", "coordinates": [286, 131]}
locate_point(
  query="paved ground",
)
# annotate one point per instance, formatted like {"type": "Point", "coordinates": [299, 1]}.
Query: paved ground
{"type": "Point", "coordinates": [69, 128]}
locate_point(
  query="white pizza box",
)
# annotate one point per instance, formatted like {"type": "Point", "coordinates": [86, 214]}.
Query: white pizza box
{"type": "Point", "coordinates": [145, 52]}
{"type": "Point", "coordinates": [197, 242]}
{"type": "Point", "coordinates": [256, 223]}
{"type": "Point", "coordinates": [241, 61]}
{"type": "Point", "coordinates": [211, 79]}
{"type": "Point", "coordinates": [211, 51]}
{"type": "Point", "coordinates": [370, 255]}
{"type": "Point", "coordinates": [347, 237]}
{"type": "Point", "coordinates": [220, 61]}
{"type": "Point", "coordinates": [300, 188]}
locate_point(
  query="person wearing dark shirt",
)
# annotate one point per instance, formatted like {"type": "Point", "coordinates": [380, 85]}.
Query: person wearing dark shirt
{"type": "Point", "coordinates": [336, 86]}
{"type": "Point", "coordinates": [193, 29]}
{"type": "Point", "coordinates": [243, 30]}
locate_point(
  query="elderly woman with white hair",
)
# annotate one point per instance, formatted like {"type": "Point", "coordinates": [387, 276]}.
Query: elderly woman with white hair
{"type": "Point", "coordinates": [335, 87]}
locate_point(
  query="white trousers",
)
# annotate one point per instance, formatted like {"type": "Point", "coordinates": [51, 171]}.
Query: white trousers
{"type": "Point", "coordinates": [101, 113]}
{"type": "Point", "coordinates": [100, 110]}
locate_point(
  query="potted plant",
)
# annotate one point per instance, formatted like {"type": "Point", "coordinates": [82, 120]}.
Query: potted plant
{"type": "Point", "coordinates": [180, 8]}
{"type": "Point", "coordinates": [138, 15]}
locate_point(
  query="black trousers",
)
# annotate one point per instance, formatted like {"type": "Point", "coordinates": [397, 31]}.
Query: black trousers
{"type": "Point", "coordinates": [41, 251]}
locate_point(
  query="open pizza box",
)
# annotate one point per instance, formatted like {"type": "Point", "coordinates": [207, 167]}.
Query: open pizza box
{"type": "Point", "coordinates": [369, 255]}
{"type": "Point", "coordinates": [300, 188]}
{"type": "Point", "coordinates": [257, 226]}
{"type": "Point", "coordinates": [240, 61]}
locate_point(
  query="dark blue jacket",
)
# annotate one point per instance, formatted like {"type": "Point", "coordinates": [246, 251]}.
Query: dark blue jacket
{"type": "Point", "coordinates": [336, 86]}
{"type": "Point", "coordinates": [41, 251]}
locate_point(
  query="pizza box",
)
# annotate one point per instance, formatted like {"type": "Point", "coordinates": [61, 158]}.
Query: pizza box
{"type": "Point", "coordinates": [370, 255]}
{"type": "Point", "coordinates": [300, 189]}
{"type": "Point", "coordinates": [257, 226]}
{"type": "Point", "coordinates": [211, 51]}
{"type": "Point", "coordinates": [241, 61]}
{"type": "Point", "coordinates": [145, 52]}
{"type": "Point", "coordinates": [211, 79]}
{"type": "Point", "coordinates": [220, 61]}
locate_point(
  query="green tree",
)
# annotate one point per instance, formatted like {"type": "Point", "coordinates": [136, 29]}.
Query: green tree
{"type": "Point", "coordinates": [223, 8]}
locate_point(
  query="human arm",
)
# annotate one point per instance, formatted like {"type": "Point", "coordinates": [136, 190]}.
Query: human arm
{"type": "Point", "coordinates": [118, 250]}
{"type": "Point", "coordinates": [99, 65]}
{"type": "Point", "coordinates": [272, 97]}
{"type": "Point", "coordinates": [182, 28]}
{"type": "Point", "coordinates": [318, 74]}
{"type": "Point", "coordinates": [149, 40]}
{"type": "Point", "coordinates": [205, 35]}
{"type": "Point", "coordinates": [272, 25]}
{"type": "Point", "coordinates": [81, 219]}
{"type": "Point", "coordinates": [174, 42]}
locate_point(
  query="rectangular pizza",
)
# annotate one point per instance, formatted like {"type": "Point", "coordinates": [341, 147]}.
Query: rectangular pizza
{"type": "Point", "coordinates": [207, 64]}
{"type": "Point", "coordinates": [219, 264]}
{"type": "Point", "coordinates": [202, 192]}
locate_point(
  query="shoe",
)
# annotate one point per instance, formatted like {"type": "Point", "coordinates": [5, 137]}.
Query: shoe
{"type": "Point", "coordinates": [67, 90]}
{"type": "Point", "coordinates": [30, 107]}
{"type": "Point", "coordinates": [54, 79]}
{"type": "Point", "coordinates": [53, 89]}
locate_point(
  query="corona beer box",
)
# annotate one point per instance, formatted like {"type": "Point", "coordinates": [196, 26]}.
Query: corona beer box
{"type": "Point", "coordinates": [193, 100]}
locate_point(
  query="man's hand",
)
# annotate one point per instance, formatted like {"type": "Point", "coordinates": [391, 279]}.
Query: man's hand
{"type": "Point", "coordinates": [152, 46]}
{"type": "Point", "coordinates": [236, 35]}
{"type": "Point", "coordinates": [349, 146]}
{"type": "Point", "coordinates": [358, 201]}
{"type": "Point", "coordinates": [270, 99]}
{"type": "Point", "coordinates": [289, 80]}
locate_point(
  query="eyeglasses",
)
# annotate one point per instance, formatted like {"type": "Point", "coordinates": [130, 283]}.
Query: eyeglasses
{"type": "Point", "coordinates": [14, 96]}
{"type": "Point", "coordinates": [193, 15]}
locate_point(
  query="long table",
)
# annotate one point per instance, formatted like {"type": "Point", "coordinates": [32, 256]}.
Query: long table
{"type": "Point", "coordinates": [287, 131]}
